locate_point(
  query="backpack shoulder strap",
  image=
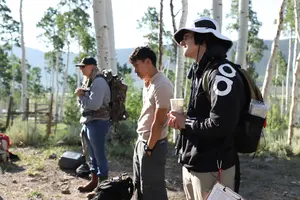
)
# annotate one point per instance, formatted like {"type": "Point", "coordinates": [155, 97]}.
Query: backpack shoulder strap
{"type": "Point", "coordinates": [254, 90]}
{"type": "Point", "coordinates": [205, 76]}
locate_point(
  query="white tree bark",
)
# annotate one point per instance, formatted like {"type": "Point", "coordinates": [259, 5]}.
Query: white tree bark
{"type": "Point", "coordinates": [268, 75]}
{"type": "Point", "coordinates": [64, 84]}
{"type": "Point", "coordinates": [78, 69]}
{"type": "Point", "coordinates": [160, 36]}
{"type": "Point", "coordinates": [243, 33]}
{"type": "Point", "coordinates": [294, 102]}
{"type": "Point", "coordinates": [282, 99]}
{"type": "Point", "coordinates": [23, 63]}
{"type": "Point", "coordinates": [287, 81]}
{"type": "Point", "coordinates": [296, 71]}
{"type": "Point", "coordinates": [57, 63]}
{"type": "Point", "coordinates": [218, 12]}
{"type": "Point", "coordinates": [13, 71]}
{"type": "Point", "coordinates": [111, 37]}
{"type": "Point", "coordinates": [275, 85]}
{"type": "Point", "coordinates": [101, 29]}
{"type": "Point", "coordinates": [179, 72]}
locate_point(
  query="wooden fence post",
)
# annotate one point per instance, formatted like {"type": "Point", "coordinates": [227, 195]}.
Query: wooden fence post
{"type": "Point", "coordinates": [27, 109]}
{"type": "Point", "coordinates": [35, 114]}
{"type": "Point", "coordinates": [50, 116]}
{"type": "Point", "coordinates": [9, 111]}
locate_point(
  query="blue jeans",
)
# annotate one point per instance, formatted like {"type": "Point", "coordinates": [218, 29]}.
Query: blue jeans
{"type": "Point", "coordinates": [95, 133]}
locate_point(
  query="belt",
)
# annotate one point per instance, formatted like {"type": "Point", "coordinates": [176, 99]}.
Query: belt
{"type": "Point", "coordinates": [161, 141]}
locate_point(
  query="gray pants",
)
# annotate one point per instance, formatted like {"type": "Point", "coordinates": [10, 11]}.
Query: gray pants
{"type": "Point", "coordinates": [149, 171]}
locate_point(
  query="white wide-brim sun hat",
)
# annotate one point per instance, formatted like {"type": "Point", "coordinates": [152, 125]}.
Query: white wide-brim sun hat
{"type": "Point", "coordinates": [203, 25]}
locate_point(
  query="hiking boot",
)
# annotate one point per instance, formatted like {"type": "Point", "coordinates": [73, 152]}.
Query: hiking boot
{"type": "Point", "coordinates": [91, 185]}
{"type": "Point", "coordinates": [102, 178]}
{"type": "Point", "coordinates": [94, 192]}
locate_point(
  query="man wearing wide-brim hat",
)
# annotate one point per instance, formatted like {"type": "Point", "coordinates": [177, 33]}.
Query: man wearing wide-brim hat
{"type": "Point", "coordinates": [206, 148]}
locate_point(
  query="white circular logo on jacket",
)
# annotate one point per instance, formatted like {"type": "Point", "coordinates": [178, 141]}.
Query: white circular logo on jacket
{"type": "Point", "coordinates": [224, 78]}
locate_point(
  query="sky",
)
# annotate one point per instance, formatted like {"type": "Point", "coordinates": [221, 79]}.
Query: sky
{"type": "Point", "coordinates": [127, 12]}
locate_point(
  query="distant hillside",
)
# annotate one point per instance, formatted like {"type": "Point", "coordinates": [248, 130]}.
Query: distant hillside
{"type": "Point", "coordinates": [36, 58]}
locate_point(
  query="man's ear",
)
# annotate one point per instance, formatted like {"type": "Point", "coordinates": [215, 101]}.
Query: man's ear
{"type": "Point", "coordinates": [148, 61]}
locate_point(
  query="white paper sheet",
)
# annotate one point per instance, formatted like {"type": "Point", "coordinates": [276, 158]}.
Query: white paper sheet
{"type": "Point", "coordinates": [220, 192]}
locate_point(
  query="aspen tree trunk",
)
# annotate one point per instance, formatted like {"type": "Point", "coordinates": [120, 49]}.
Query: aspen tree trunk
{"type": "Point", "coordinates": [179, 72]}
{"type": "Point", "coordinates": [287, 81]}
{"type": "Point", "coordinates": [275, 86]}
{"type": "Point", "coordinates": [174, 26]}
{"type": "Point", "coordinates": [57, 63]}
{"type": "Point", "coordinates": [77, 68]}
{"type": "Point", "coordinates": [160, 36]}
{"type": "Point", "coordinates": [101, 29]}
{"type": "Point", "coordinates": [294, 98]}
{"type": "Point", "coordinates": [111, 36]}
{"type": "Point", "coordinates": [243, 33]}
{"type": "Point", "coordinates": [23, 65]}
{"type": "Point", "coordinates": [268, 75]}
{"type": "Point", "coordinates": [218, 12]}
{"type": "Point", "coordinates": [282, 99]}
{"type": "Point", "coordinates": [64, 84]}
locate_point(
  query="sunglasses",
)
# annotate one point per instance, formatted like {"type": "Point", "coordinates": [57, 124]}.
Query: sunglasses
{"type": "Point", "coordinates": [81, 67]}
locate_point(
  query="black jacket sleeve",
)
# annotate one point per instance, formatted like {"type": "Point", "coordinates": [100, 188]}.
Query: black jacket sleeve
{"type": "Point", "coordinates": [225, 88]}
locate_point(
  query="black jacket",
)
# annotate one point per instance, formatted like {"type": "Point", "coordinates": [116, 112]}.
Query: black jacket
{"type": "Point", "coordinates": [213, 116]}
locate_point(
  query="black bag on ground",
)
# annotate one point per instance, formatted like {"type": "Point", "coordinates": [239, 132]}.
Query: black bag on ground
{"type": "Point", "coordinates": [71, 160]}
{"type": "Point", "coordinates": [117, 188]}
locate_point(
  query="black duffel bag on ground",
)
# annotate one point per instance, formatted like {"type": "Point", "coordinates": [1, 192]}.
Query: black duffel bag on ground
{"type": "Point", "coordinates": [117, 188]}
{"type": "Point", "coordinates": [70, 160]}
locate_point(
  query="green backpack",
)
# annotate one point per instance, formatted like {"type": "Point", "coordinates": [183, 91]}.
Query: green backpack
{"type": "Point", "coordinates": [118, 90]}
{"type": "Point", "coordinates": [253, 117]}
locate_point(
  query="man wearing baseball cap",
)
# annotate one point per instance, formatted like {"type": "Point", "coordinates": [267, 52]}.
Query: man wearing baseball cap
{"type": "Point", "coordinates": [87, 61]}
{"type": "Point", "coordinates": [94, 97]}
{"type": "Point", "coordinates": [206, 149]}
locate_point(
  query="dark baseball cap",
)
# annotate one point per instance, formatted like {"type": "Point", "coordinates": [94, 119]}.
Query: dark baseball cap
{"type": "Point", "coordinates": [87, 61]}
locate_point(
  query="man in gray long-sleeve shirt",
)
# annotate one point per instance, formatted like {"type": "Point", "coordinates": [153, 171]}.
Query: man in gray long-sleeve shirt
{"type": "Point", "coordinates": [94, 98]}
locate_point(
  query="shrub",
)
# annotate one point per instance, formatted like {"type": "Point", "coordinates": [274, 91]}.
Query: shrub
{"type": "Point", "coordinates": [69, 135]}
{"type": "Point", "coordinates": [275, 144]}
{"type": "Point", "coordinates": [123, 137]}
{"type": "Point", "coordinates": [24, 133]}
{"type": "Point", "coordinates": [276, 122]}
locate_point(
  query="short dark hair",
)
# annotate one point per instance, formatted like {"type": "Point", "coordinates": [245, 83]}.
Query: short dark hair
{"type": "Point", "coordinates": [209, 39]}
{"type": "Point", "coordinates": [142, 53]}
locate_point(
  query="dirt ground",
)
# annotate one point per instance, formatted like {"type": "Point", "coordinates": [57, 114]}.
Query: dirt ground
{"type": "Point", "coordinates": [37, 177]}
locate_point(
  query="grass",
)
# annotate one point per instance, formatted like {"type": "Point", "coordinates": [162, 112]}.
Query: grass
{"type": "Point", "coordinates": [122, 144]}
{"type": "Point", "coordinates": [275, 144]}
{"type": "Point", "coordinates": [35, 194]}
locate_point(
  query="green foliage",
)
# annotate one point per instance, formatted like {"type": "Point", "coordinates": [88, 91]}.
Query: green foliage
{"type": "Point", "coordinates": [134, 99]}
{"type": "Point", "coordinates": [25, 133]}
{"type": "Point", "coordinates": [275, 144]}
{"type": "Point", "coordinates": [123, 70]}
{"type": "Point", "coordinates": [170, 74]}
{"type": "Point", "coordinates": [71, 114]}
{"type": "Point", "coordinates": [9, 28]}
{"type": "Point", "coordinates": [123, 138]}
{"type": "Point", "coordinates": [289, 19]}
{"type": "Point", "coordinates": [68, 134]}
{"type": "Point", "coordinates": [281, 68]}
{"type": "Point", "coordinates": [255, 45]}
{"type": "Point", "coordinates": [275, 121]}
{"type": "Point", "coordinates": [150, 24]}
{"type": "Point", "coordinates": [34, 82]}
{"type": "Point", "coordinates": [205, 13]}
